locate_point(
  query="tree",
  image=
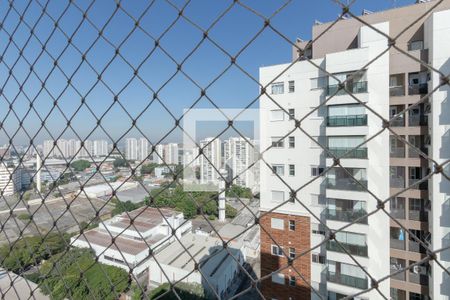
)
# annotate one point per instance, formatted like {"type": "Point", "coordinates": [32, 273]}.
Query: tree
{"type": "Point", "coordinates": [185, 291]}
{"type": "Point", "coordinates": [120, 162]}
{"type": "Point", "coordinates": [124, 206]}
{"type": "Point", "coordinates": [80, 165]}
{"type": "Point", "coordinates": [148, 168]}
{"type": "Point", "coordinates": [230, 211]}
{"type": "Point", "coordinates": [99, 281]}
{"type": "Point", "coordinates": [239, 191]}
{"type": "Point", "coordinates": [30, 251]}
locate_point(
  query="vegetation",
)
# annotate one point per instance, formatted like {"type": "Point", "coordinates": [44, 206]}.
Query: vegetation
{"type": "Point", "coordinates": [98, 281]}
{"type": "Point", "coordinates": [148, 168]}
{"type": "Point", "coordinates": [230, 211]}
{"type": "Point", "coordinates": [185, 291]}
{"type": "Point", "coordinates": [239, 191]}
{"type": "Point", "coordinates": [30, 251]}
{"type": "Point", "coordinates": [120, 162]}
{"type": "Point", "coordinates": [80, 165]}
{"type": "Point", "coordinates": [121, 207]}
{"type": "Point", "coordinates": [24, 217]}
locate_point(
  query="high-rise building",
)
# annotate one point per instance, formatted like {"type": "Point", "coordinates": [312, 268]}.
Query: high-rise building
{"type": "Point", "coordinates": [143, 149]}
{"type": "Point", "coordinates": [131, 150]}
{"type": "Point", "coordinates": [100, 148]}
{"type": "Point", "coordinates": [85, 151]}
{"type": "Point", "coordinates": [388, 82]}
{"type": "Point", "coordinates": [48, 149]}
{"type": "Point", "coordinates": [171, 156]}
{"type": "Point", "coordinates": [238, 155]}
{"type": "Point", "coordinates": [210, 160]}
{"type": "Point", "coordinates": [158, 155]}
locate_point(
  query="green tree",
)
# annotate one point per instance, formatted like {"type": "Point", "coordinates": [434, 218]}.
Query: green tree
{"type": "Point", "coordinates": [121, 207]}
{"type": "Point", "coordinates": [239, 191]}
{"type": "Point", "coordinates": [99, 281]}
{"type": "Point", "coordinates": [148, 168]}
{"type": "Point", "coordinates": [185, 291]}
{"type": "Point", "coordinates": [29, 251]}
{"type": "Point", "coordinates": [230, 211]}
{"type": "Point", "coordinates": [80, 165]}
{"type": "Point", "coordinates": [120, 162]}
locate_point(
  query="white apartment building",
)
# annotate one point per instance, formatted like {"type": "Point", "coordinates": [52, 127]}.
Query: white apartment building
{"type": "Point", "coordinates": [158, 155]}
{"type": "Point", "coordinates": [171, 156]}
{"type": "Point", "coordinates": [132, 241]}
{"type": "Point", "coordinates": [210, 160]}
{"type": "Point", "coordinates": [388, 85]}
{"type": "Point", "coordinates": [131, 150]}
{"type": "Point", "coordinates": [143, 149]}
{"type": "Point", "coordinates": [297, 159]}
{"type": "Point", "coordinates": [100, 148]}
{"type": "Point", "coordinates": [238, 157]}
{"type": "Point", "coordinates": [10, 180]}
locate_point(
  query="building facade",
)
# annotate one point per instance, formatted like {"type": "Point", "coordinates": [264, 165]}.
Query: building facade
{"type": "Point", "coordinates": [210, 160]}
{"type": "Point", "coordinates": [388, 82]}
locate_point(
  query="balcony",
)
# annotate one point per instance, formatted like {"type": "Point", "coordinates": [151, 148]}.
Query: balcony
{"type": "Point", "coordinates": [351, 248]}
{"type": "Point", "coordinates": [398, 244]}
{"type": "Point", "coordinates": [397, 182]}
{"type": "Point", "coordinates": [346, 215]}
{"type": "Point", "coordinates": [413, 153]}
{"type": "Point", "coordinates": [395, 91]}
{"type": "Point", "coordinates": [421, 186]}
{"type": "Point", "coordinates": [355, 88]}
{"type": "Point", "coordinates": [360, 153]}
{"type": "Point", "coordinates": [397, 152]}
{"type": "Point", "coordinates": [356, 282]}
{"type": "Point", "coordinates": [418, 89]}
{"type": "Point", "coordinates": [346, 184]}
{"type": "Point", "coordinates": [397, 122]}
{"type": "Point", "coordinates": [400, 276]}
{"type": "Point", "coordinates": [418, 278]}
{"type": "Point", "coordinates": [347, 121]}
{"type": "Point", "coordinates": [418, 215]}
{"type": "Point", "coordinates": [398, 213]}
{"type": "Point", "coordinates": [416, 247]}
{"type": "Point", "coordinates": [418, 120]}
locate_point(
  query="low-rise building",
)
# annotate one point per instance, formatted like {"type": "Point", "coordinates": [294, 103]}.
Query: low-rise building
{"type": "Point", "coordinates": [128, 240]}
{"type": "Point", "coordinates": [219, 267]}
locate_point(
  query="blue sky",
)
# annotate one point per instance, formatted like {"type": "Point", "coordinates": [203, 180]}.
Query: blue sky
{"type": "Point", "coordinates": [232, 90]}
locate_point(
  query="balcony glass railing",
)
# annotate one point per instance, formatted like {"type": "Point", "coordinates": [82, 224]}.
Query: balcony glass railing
{"type": "Point", "coordinates": [350, 120]}
{"type": "Point", "coordinates": [348, 152]}
{"type": "Point", "coordinates": [412, 153]}
{"type": "Point", "coordinates": [400, 276]}
{"type": "Point", "coordinates": [418, 120]}
{"type": "Point", "coordinates": [416, 247]}
{"type": "Point", "coordinates": [421, 186]}
{"type": "Point", "coordinates": [397, 182]}
{"type": "Point", "coordinates": [398, 213]}
{"type": "Point", "coordinates": [355, 88]}
{"type": "Point", "coordinates": [418, 215]}
{"type": "Point", "coordinates": [396, 91]}
{"type": "Point", "coordinates": [418, 278]}
{"type": "Point", "coordinates": [352, 249]}
{"type": "Point", "coordinates": [347, 184]}
{"type": "Point", "coordinates": [418, 89]}
{"type": "Point", "coordinates": [397, 244]}
{"type": "Point", "coordinates": [398, 122]}
{"type": "Point", "coordinates": [397, 152]}
{"type": "Point", "coordinates": [346, 215]}
{"type": "Point", "coordinates": [356, 282]}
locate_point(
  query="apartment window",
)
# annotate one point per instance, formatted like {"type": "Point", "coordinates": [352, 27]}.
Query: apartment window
{"type": "Point", "coordinates": [292, 142]}
{"type": "Point", "coordinates": [415, 45]}
{"type": "Point", "coordinates": [291, 253]}
{"type": "Point", "coordinates": [276, 115]}
{"type": "Point", "coordinates": [291, 225]}
{"type": "Point", "coordinates": [291, 170]}
{"type": "Point", "coordinates": [318, 83]}
{"type": "Point", "coordinates": [277, 142]}
{"type": "Point", "coordinates": [277, 250]}
{"type": "Point", "coordinates": [316, 229]}
{"type": "Point", "coordinates": [277, 88]}
{"type": "Point", "coordinates": [277, 223]}
{"type": "Point", "coordinates": [277, 196]}
{"type": "Point", "coordinates": [291, 113]}
{"type": "Point", "coordinates": [316, 171]}
{"type": "Point", "coordinates": [278, 169]}
{"type": "Point", "coordinates": [278, 278]}
{"type": "Point", "coordinates": [292, 280]}
{"type": "Point", "coordinates": [317, 258]}
{"type": "Point", "coordinates": [291, 84]}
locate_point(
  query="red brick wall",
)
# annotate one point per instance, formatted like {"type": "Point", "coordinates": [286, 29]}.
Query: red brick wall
{"type": "Point", "coordinates": [300, 239]}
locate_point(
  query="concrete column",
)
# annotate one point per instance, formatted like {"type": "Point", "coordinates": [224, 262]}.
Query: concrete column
{"type": "Point", "coordinates": [38, 169]}
{"type": "Point", "coordinates": [224, 173]}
